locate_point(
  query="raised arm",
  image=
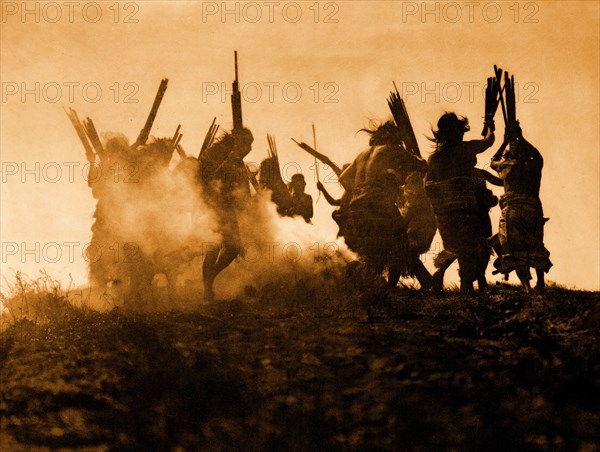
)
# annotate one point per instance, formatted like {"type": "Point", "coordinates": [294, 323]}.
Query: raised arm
{"type": "Point", "coordinates": [489, 177]}
{"type": "Point", "coordinates": [497, 158]}
{"type": "Point", "coordinates": [347, 177]}
{"type": "Point", "coordinates": [475, 147]}
{"type": "Point", "coordinates": [322, 157]}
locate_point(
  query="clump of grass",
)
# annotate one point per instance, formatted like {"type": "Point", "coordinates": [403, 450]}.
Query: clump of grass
{"type": "Point", "coordinates": [40, 299]}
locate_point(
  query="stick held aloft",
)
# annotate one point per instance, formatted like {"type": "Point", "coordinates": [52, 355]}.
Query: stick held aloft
{"type": "Point", "coordinates": [236, 100]}
{"type": "Point", "coordinates": [145, 132]}
{"type": "Point", "coordinates": [89, 151]}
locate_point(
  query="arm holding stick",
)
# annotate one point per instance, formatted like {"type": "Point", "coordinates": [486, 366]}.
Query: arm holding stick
{"type": "Point", "coordinates": [497, 158]}
{"type": "Point", "coordinates": [478, 146]}
{"type": "Point", "coordinates": [330, 199]}
{"type": "Point", "coordinates": [323, 158]}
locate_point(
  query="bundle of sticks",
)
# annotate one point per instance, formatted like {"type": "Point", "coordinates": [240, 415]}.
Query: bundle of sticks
{"type": "Point", "coordinates": [175, 143]}
{"type": "Point", "coordinates": [493, 97]}
{"type": "Point", "coordinates": [398, 109]}
{"type": "Point", "coordinates": [511, 114]}
{"type": "Point", "coordinates": [209, 138]}
{"type": "Point", "coordinates": [273, 154]}
{"type": "Point", "coordinates": [272, 151]}
{"type": "Point", "coordinates": [88, 135]}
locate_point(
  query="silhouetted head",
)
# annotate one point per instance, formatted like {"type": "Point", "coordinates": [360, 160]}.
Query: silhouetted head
{"type": "Point", "coordinates": [451, 129]}
{"type": "Point", "coordinates": [386, 133]}
{"type": "Point", "coordinates": [158, 152]}
{"type": "Point", "coordinates": [117, 148]}
{"type": "Point", "coordinates": [297, 183]}
{"type": "Point", "coordinates": [244, 142]}
{"type": "Point", "coordinates": [223, 149]}
{"type": "Point", "coordinates": [520, 149]}
{"type": "Point", "coordinates": [268, 173]}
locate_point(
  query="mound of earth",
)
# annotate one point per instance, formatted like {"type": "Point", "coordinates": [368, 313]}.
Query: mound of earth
{"type": "Point", "coordinates": [307, 369]}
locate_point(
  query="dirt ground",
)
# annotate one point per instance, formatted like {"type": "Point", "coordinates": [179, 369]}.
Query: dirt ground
{"type": "Point", "coordinates": [306, 366]}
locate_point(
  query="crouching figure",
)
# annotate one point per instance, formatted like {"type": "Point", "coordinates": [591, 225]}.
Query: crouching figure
{"type": "Point", "coordinates": [374, 181]}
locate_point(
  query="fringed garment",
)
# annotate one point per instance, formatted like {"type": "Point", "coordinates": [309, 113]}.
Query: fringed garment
{"type": "Point", "coordinates": [459, 223]}
{"type": "Point", "coordinates": [521, 233]}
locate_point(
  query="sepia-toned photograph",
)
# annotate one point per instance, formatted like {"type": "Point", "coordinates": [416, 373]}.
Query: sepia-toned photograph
{"type": "Point", "coordinates": [300, 225]}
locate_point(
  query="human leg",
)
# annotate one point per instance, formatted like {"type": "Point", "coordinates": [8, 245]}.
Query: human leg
{"type": "Point", "coordinates": [209, 272]}
{"type": "Point", "coordinates": [442, 261]}
{"type": "Point", "coordinates": [524, 276]}
{"type": "Point", "coordinates": [540, 284]}
{"type": "Point", "coordinates": [423, 276]}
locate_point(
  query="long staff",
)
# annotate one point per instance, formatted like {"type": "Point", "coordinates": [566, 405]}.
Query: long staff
{"type": "Point", "coordinates": [314, 131]}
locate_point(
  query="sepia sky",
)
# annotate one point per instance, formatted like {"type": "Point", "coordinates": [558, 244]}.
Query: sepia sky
{"type": "Point", "coordinates": [331, 63]}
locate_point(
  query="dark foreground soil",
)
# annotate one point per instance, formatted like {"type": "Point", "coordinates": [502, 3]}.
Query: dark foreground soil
{"type": "Point", "coordinates": [298, 367]}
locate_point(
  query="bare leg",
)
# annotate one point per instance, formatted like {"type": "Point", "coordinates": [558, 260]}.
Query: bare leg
{"type": "Point", "coordinates": [209, 274]}
{"type": "Point", "coordinates": [393, 275]}
{"type": "Point", "coordinates": [214, 263]}
{"type": "Point", "coordinates": [540, 285]}
{"type": "Point", "coordinates": [467, 270]}
{"type": "Point", "coordinates": [437, 282]}
{"type": "Point", "coordinates": [423, 276]}
{"type": "Point", "coordinates": [466, 287]}
{"type": "Point", "coordinates": [482, 284]}
{"type": "Point", "coordinates": [374, 274]}
{"type": "Point", "coordinates": [524, 277]}
{"type": "Point", "coordinates": [418, 269]}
